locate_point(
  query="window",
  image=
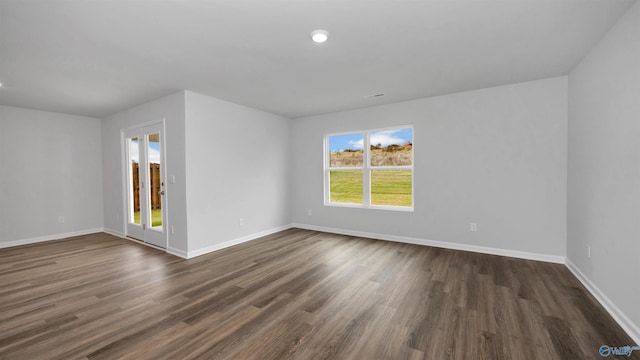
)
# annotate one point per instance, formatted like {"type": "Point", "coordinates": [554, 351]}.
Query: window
{"type": "Point", "coordinates": [372, 169]}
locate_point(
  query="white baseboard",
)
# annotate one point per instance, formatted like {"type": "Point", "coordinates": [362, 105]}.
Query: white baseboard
{"type": "Point", "coordinates": [226, 244]}
{"type": "Point", "coordinates": [40, 239]}
{"type": "Point", "coordinates": [623, 320]}
{"type": "Point", "coordinates": [440, 244]}
{"type": "Point", "coordinates": [113, 232]}
{"type": "Point", "coordinates": [177, 252]}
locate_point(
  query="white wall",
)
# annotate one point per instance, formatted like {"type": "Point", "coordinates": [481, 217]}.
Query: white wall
{"type": "Point", "coordinates": [50, 166]}
{"type": "Point", "coordinates": [170, 108]}
{"type": "Point", "coordinates": [604, 167]}
{"type": "Point", "coordinates": [238, 166]}
{"type": "Point", "coordinates": [495, 156]}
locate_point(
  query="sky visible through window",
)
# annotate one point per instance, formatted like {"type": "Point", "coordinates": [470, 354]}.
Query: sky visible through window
{"type": "Point", "coordinates": [382, 137]}
{"type": "Point", "coordinates": [154, 152]}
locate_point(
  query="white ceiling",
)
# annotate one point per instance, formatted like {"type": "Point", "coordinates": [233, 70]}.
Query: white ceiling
{"type": "Point", "coordinates": [96, 58]}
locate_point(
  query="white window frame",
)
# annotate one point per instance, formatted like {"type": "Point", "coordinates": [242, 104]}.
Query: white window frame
{"type": "Point", "coordinates": [366, 171]}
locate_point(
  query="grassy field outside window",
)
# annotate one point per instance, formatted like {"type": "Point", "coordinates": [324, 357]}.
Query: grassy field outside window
{"type": "Point", "coordinates": [391, 187]}
{"type": "Point", "coordinates": [346, 186]}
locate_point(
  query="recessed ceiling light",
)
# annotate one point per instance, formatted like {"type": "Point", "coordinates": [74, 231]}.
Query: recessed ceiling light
{"type": "Point", "coordinates": [319, 36]}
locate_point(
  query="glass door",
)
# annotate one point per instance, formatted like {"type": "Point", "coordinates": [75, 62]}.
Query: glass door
{"type": "Point", "coordinates": [145, 184]}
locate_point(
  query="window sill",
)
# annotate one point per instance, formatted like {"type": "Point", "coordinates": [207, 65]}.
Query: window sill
{"type": "Point", "coordinates": [371, 207]}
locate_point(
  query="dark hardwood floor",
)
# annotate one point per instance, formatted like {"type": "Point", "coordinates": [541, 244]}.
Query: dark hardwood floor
{"type": "Point", "coordinates": [296, 294]}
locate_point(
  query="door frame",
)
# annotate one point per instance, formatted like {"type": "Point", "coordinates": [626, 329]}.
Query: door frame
{"type": "Point", "coordinates": [125, 180]}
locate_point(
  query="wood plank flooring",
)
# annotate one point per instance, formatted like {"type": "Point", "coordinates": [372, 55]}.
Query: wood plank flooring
{"type": "Point", "coordinates": [295, 294]}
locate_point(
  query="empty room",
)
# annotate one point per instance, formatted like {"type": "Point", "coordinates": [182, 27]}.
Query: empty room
{"type": "Point", "coordinates": [306, 179]}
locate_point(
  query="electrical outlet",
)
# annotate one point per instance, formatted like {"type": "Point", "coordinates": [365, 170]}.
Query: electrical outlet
{"type": "Point", "coordinates": [309, 212]}
{"type": "Point", "coordinates": [589, 251]}
{"type": "Point", "coordinates": [473, 227]}
{"type": "Point", "coordinates": [173, 231]}
{"type": "Point", "coordinates": [241, 222]}
{"type": "Point", "coordinates": [60, 219]}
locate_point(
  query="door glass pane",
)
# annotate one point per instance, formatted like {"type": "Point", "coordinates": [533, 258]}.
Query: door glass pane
{"type": "Point", "coordinates": [156, 185]}
{"type": "Point", "coordinates": [134, 179]}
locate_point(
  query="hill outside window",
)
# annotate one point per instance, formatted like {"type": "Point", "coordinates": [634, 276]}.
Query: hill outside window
{"type": "Point", "coordinates": [370, 169]}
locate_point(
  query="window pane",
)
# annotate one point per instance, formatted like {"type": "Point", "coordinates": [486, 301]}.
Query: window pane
{"type": "Point", "coordinates": [346, 186]}
{"type": "Point", "coordinates": [346, 150]}
{"type": "Point", "coordinates": [391, 187]}
{"type": "Point", "coordinates": [392, 147]}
